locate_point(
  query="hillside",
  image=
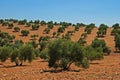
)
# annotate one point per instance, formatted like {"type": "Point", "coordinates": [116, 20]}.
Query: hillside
{"type": "Point", "coordinates": [105, 69]}
{"type": "Point", "coordinates": [75, 37]}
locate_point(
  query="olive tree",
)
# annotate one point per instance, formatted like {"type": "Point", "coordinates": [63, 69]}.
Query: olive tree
{"type": "Point", "coordinates": [83, 35]}
{"type": "Point", "coordinates": [22, 54]}
{"type": "Point", "coordinates": [33, 36]}
{"type": "Point", "coordinates": [115, 31]}
{"type": "Point", "coordinates": [18, 43]}
{"type": "Point", "coordinates": [4, 53]}
{"type": "Point", "coordinates": [89, 28]}
{"type": "Point", "coordinates": [63, 53]}
{"type": "Point", "coordinates": [96, 43]}
{"type": "Point", "coordinates": [117, 41]}
{"type": "Point", "coordinates": [11, 38]}
{"type": "Point", "coordinates": [43, 38]}
{"type": "Point", "coordinates": [116, 26]}
{"type": "Point", "coordinates": [82, 41]}
{"type": "Point", "coordinates": [35, 27]}
{"type": "Point", "coordinates": [50, 24]}
{"type": "Point", "coordinates": [102, 30]}
{"type": "Point", "coordinates": [61, 29]}
{"type": "Point", "coordinates": [54, 34]}
{"type": "Point", "coordinates": [77, 28]}
{"type": "Point", "coordinates": [22, 22]}
{"type": "Point", "coordinates": [16, 29]}
{"type": "Point", "coordinates": [24, 32]}
{"type": "Point", "coordinates": [1, 21]}
{"type": "Point", "coordinates": [10, 25]}
{"type": "Point", "coordinates": [44, 54]}
{"type": "Point", "coordinates": [15, 56]}
{"type": "Point", "coordinates": [33, 43]}
{"type": "Point", "coordinates": [43, 22]}
{"type": "Point", "coordinates": [26, 53]}
{"type": "Point", "coordinates": [93, 54]}
{"type": "Point", "coordinates": [47, 30]}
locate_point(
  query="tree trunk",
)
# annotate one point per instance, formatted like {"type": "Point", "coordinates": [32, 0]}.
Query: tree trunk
{"type": "Point", "coordinates": [17, 62]}
{"type": "Point", "coordinates": [21, 63]}
{"type": "Point", "coordinates": [67, 67]}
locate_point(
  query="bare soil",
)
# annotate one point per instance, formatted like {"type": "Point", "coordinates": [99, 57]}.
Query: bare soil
{"type": "Point", "coordinates": [106, 69]}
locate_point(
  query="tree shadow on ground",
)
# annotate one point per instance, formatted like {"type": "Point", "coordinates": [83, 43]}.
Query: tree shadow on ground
{"type": "Point", "coordinates": [43, 61]}
{"type": "Point", "coordinates": [12, 66]}
{"type": "Point", "coordinates": [60, 70]}
{"type": "Point", "coordinates": [116, 51]}
{"type": "Point", "coordinates": [94, 63]}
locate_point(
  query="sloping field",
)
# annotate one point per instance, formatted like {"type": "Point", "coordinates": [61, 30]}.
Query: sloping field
{"type": "Point", "coordinates": [106, 69]}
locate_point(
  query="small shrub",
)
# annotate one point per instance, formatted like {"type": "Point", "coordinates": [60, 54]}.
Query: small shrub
{"type": "Point", "coordinates": [47, 30]}
{"type": "Point", "coordinates": [61, 29]}
{"type": "Point", "coordinates": [10, 25]}
{"type": "Point", "coordinates": [35, 27]}
{"type": "Point", "coordinates": [16, 29]}
{"type": "Point", "coordinates": [24, 32]}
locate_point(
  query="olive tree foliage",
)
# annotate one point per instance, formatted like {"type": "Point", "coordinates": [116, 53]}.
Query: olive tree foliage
{"type": "Point", "coordinates": [50, 24]}
{"type": "Point", "coordinates": [16, 29]}
{"type": "Point", "coordinates": [61, 29]}
{"type": "Point", "coordinates": [35, 27]}
{"type": "Point", "coordinates": [47, 30]}
{"type": "Point", "coordinates": [26, 53]}
{"type": "Point", "coordinates": [18, 43]}
{"type": "Point", "coordinates": [6, 39]}
{"type": "Point", "coordinates": [54, 34]}
{"type": "Point", "coordinates": [44, 54]}
{"type": "Point", "coordinates": [22, 22]}
{"type": "Point", "coordinates": [33, 36]}
{"type": "Point", "coordinates": [116, 26]}
{"type": "Point", "coordinates": [5, 23]}
{"type": "Point", "coordinates": [82, 41]}
{"type": "Point", "coordinates": [102, 30]}
{"type": "Point", "coordinates": [84, 35]}
{"type": "Point", "coordinates": [33, 43]}
{"type": "Point", "coordinates": [5, 53]}
{"type": "Point", "coordinates": [10, 25]}
{"type": "Point", "coordinates": [22, 54]}
{"type": "Point", "coordinates": [92, 53]}
{"type": "Point", "coordinates": [43, 22]}
{"type": "Point", "coordinates": [11, 37]}
{"type": "Point", "coordinates": [24, 32]}
{"type": "Point", "coordinates": [80, 25]}
{"type": "Point", "coordinates": [77, 28]}
{"type": "Point", "coordinates": [117, 41]}
{"type": "Point", "coordinates": [115, 29]}
{"type": "Point", "coordinates": [15, 56]}
{"type": "Point", "coordinates": [43, 41]}
{"type": "Point", "coordinates": [96, 43]}
{"type": "Point", "coordinates": [1, 21]}
{"type": "Point", "coordinates": [44, 38]}
{"type": "Point", "coordinates": [66, 36]}
{"type": "Point", "coordinates": [63, 53]}
{"type": "Point", "coordinates": [36, 21]}
{"type": "Point", "coordinates": [89, 28]}
{"type": "Point", "coordinates": [71, 32]}
{"type": "Point", "coordinates": [65, 24]}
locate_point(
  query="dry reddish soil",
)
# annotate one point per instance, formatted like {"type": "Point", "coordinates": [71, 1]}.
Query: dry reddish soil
{"type": "Point", "coordinates": [106, 69]}
{"type": "Point", "coordinates": [91, 36]}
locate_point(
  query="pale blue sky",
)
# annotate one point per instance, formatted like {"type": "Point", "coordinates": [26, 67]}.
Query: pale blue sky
{"type": "Point", "coordinates": [85, 11]}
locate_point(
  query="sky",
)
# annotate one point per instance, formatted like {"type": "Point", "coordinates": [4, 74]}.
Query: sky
{"type": "Point", "coordinates": [82, 11]}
